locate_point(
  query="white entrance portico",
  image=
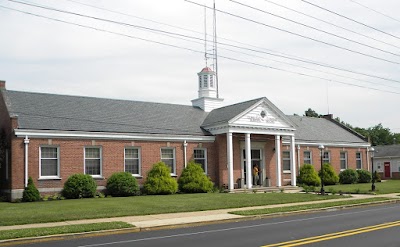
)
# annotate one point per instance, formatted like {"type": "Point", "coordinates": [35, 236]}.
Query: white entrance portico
{"type": "Point", "coordinates": [267, 124]}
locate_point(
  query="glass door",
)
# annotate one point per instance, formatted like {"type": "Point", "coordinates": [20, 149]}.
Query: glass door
{"type": "Point", "coordinates": [256, 166]}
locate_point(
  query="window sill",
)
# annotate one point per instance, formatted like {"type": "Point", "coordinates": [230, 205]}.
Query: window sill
{"type": "Point", "coordinates": [97, 177]}
{"type": "Point", "coordinates": [137, 176]}
{"type": "Point", "coordinates": [174, 175]}
{"type": "Point", "coordinates": [49, 178]}
{"type": "Point", "coordinates": [287, 172]}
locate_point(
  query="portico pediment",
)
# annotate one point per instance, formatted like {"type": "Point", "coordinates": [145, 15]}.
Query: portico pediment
{"type": "Point", "coordinates": [262, 115]}
{"type": "Point", "coordinates": [255, 116]}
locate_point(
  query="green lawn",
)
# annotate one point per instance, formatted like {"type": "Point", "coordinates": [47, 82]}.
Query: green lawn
{"type": "Point", "coordinates": [306, 207]}
{"type": "Point", "coordinates": [389, 186]}
{"type": "Point", "coordinates": [46, 231]}
{"type": "Point", "coordinates": [53, 211]}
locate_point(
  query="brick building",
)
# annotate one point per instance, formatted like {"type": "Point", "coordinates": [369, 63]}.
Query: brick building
{"type": "Point", "coordinates": [49, 137]}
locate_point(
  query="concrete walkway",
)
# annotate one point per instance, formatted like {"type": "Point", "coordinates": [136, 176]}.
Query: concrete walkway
{"type": "Point", "coordinates": [176, 219]}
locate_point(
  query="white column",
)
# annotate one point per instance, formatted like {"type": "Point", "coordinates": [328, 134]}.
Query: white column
{"type": "Point", "coordinates": [230, 159]}
{"type": "Point", "coordinates": [278, 160]}
{"type": "Point", "coordinates": [184, 153]}
{"type": "Point", "coordinates": [26, 141]}
{"type": "Point", "coordinates": [249, 171]}
{"type": "Point", "coordinates": [293, 160]}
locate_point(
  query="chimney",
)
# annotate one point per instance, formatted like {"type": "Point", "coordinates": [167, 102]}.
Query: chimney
{"type": "Point", "coordinates": [328, 116]}
{"type": "Point", "coordinates": [2, 85]}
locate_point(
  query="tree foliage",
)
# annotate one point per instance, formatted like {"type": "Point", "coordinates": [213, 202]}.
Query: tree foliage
{"type": "Point", "coordinates": [79, 186]}
{"type": "Point", "coordinates": [122, 184]}
{"type": "Point", "coordinates": [330, 176]}
{"type": "Point", "coordinates": [159, 181]}
{"type": "Point", "coordinates": [193, 180]}
{"type": "Point", "coordinates": [309, 176]}
{"type": "Point", "coordinates": [311, 113]}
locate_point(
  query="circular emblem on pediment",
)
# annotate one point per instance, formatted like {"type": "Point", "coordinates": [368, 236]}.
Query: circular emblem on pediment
{"type": "Point", "coordinates": [263, 114]}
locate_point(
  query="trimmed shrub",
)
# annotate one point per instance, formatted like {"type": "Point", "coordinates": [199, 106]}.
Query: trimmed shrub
{"type": "Point", "coordinates": [79, 186]}
{"type": "Point", "coordinates": [193, 180]}
{"type": "Point", "coordinates": [377, 176]}
{"type": "Point", "coordinates": [31, 193]}
{"type": "Point", "coordinates": [122, 184]}
{"type": "Point", "coordinates": [308, 176]}
{"type": "Point", "coordinates": [159, 181]}
{"type": "Point", "coordinates": [348, 176]}
{"type": "Point", "coordinates": [330, 176]}
{"type": "Point", "coordinates": [364, 176]}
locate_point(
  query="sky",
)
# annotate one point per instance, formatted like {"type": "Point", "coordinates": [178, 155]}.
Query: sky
{"type": "Point", "coordinates": [152, 51]}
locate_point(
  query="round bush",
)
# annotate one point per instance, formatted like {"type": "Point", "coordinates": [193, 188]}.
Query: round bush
{"type": "Point", "coordinates": [31, 193]}
{"type": "Point", "coordinates": [193, 180]}
{"type": "Point", "coordinates": [364, 176]}
{"type": "Point", "coordinates": [308, 176]}
{"type": "Point", "coordinates": [330, 176]}
{"type": "Point", "coordinates": [79, 186]}
{"type": "Point", "coordinates": [122, 184]}
{"type": "Point", "coordinates": [159, 181]}
{"type": "Point", "coordinates": [348, 176]}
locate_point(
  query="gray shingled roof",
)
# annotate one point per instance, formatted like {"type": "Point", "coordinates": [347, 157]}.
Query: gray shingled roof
{"type": "Point", "coordinates": [387, 151]}
{"type": "Point", "coordinates": [321, 130]}
{"type": "Point", "coordinates": [60, 112]}
{"type": "Point", "coordinates": [224, 114]}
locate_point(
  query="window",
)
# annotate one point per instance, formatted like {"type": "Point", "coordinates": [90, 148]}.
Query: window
{"type": "Point", "coordinates": [93, 161]}
{"type": "Point", "coordinates": [200, 157]}
{"type": "Point", "coordinates": [307, 157]}
{"type": "Point", "coordinates": [49, 162]}
{"type": "Point", "coordinates": [132, 161]}
{"type": "Point", "coordinates": [358, 160]}
{"type": "Point", "coordinates": [168, 157]}
{"type": "Point", "coordinates": [205, 80]}
{"type": "Point", "coordinates": [199, 81]}
{"type": "Point", "coordinates": [286, 160]}
{"type": "Point", "coordinates": [326, 157]}
{"type": "Point", "coordinates": [343, 160]}
{"type": "Point", "coordinates": [211, 81]}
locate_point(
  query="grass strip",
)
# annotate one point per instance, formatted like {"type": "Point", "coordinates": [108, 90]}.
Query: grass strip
{"type": "Point", "coordinates": [386, 187]}
{"type": "Point", "coordinates": [306, 207]}
{"type": "Point", "coordinates": [46, 231]}
{"type": "Point", "coordinates": [66, 210]}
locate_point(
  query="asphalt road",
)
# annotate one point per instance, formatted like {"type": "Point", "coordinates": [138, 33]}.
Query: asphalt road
{"type": "Point", "coordinates": [366, 226]}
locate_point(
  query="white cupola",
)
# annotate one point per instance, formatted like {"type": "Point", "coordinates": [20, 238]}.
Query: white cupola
{"type": "Point", "coordinates": [208, 91]}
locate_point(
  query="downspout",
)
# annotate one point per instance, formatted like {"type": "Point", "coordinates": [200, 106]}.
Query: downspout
{"type": "Point", "coordinates": [184, 152]}
{"type": "Point", "coordinates": [26, 141]}
{"type": "Point", "coordinates": [298, 159]}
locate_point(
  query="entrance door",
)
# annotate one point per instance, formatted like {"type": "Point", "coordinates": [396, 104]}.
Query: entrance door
{"type": "Point", "coordinates": [387, 169]}
{"type": "Point", "coordinates": [256, 161]}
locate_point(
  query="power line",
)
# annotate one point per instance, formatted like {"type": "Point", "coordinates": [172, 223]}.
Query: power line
{"type": "Point", "coordinates": [297, 34]}
{"type": "Point", "coordinates": [171, 34]}
{"type": "Point", "coordinates": [285, 56]}
{"type": "Point", "coordinates": [329, 23]}
{"type": "Point", "coordinates": [314, 28]}
{"type": "Point", "coordinates": [193, 50]}
{"type": "Point", "coordinates": [376, 11]}
{"type": "Point", "coordinates": [350, 19]}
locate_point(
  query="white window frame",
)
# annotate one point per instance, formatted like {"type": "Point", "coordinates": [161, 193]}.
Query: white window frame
{"type": "Point", "coordinates": [101, 161]}
{"type": "Point", "coordinates": [139, 161]}
{"type": "Point", "coordinates": [329, 157]}
{"type": "Point", "coordinates": [359, 159]}
{"type": "Point", "coordinates": [304, 159]}
{"type": "Point", "coordinates": [287, 160]}
{"type": "Point", "coordinates": [205, 157]}
{"type": "Point", "coordinates": [40, 162]}
{"type": "Point", "coordinates": [211, 81]}
{"type": "Point", "coordinates": [173, 173]}
{"type": "Point", "coordinates": [343, 159]}
{"type": "Point", "coordinates": [200, 82]}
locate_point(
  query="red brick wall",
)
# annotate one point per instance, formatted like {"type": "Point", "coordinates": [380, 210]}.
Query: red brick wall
{"type": "Point", "coordinates": [6, 129]}
{"type": "Point", "coordinates": [72, 158]}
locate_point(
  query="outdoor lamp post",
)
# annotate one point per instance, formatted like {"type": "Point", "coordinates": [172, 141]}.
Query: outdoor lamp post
{"type": "Point", "coordinates": [371, 153]}
{"type": "Point", "coordinates": [321, 148]}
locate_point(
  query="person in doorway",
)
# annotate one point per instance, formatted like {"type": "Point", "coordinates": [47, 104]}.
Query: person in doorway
{"type": "Point", "coordinates": [255, 175]}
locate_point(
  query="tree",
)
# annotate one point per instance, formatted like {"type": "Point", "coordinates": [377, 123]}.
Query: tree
{"type": "Point", "coordinates": [193, 180]}
{"type": "Point", "coordinates": [311, 113]}
{"type": "Point", "coordinates": [159, 181]}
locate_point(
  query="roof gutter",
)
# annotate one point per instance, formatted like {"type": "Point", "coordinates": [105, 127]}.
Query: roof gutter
{"type": "Point", "coordinates": [110, 136]}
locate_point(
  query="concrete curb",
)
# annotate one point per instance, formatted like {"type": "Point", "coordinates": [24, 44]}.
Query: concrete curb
{"type": "Point", "coordinates": [18, 241]}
